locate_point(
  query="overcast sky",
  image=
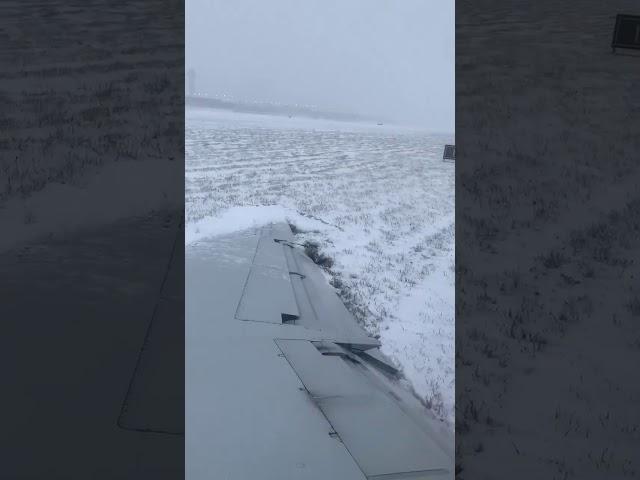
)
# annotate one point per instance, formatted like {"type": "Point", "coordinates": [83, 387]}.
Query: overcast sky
{"type": "Point", "coordinates": [391, 59]}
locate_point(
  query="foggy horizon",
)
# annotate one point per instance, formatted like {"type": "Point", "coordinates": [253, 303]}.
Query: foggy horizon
{"type": "Point", "coordinates": [390, 60]}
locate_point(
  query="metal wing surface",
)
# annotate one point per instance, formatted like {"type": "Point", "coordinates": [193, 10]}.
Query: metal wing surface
{"type": "Point", "coordinates": [281, 381]}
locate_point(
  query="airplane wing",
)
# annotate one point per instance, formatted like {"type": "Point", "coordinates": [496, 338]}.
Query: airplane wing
{"type": "Point", "coordinates": [280, 380]}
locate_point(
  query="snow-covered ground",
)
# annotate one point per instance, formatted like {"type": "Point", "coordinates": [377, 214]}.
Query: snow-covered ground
{"type": "Point", "coordinates": [378, 200]}
{"type": "Point", "coordinates": [547, 330]}
{"type": "Point", "coordinates": [88, 131]}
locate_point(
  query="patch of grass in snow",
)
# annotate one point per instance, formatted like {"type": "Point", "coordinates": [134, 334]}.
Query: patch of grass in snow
{"type": "Point", "coordinates": [312, 250]}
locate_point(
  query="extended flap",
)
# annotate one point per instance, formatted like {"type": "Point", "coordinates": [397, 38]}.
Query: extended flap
{"type": "Point", "coordinates": [380, 436]}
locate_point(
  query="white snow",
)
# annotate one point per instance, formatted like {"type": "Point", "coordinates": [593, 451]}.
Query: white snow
{"type": "Point", "coordinates": [241, 218]}
{"type": "Point", "coordinates": [378, 200]}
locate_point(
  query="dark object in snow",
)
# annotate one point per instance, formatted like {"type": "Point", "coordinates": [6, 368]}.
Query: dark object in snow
{"type": "Point", "coordinates": [294, 229]}
{"type": "Point", "coordinates": [626, 33]}
{"type": "Point", "coordinates": [312, 250]}
{"type": "Point", "coordinates": [449, 152]}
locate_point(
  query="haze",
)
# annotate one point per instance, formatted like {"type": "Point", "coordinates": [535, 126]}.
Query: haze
{"type": "Point", "coordinates": [387, 59]}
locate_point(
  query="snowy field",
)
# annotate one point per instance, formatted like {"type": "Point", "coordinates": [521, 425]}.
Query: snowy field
{"type": "Point", "coordinates": [84, 119]}
{"type": "Point", "coordinates": [377, 200]}
{"type": "Point", "coordinates": [562, 139]}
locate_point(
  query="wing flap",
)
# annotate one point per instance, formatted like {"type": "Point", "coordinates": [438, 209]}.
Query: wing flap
{"type": "Point", "coordinates": [382, 439]}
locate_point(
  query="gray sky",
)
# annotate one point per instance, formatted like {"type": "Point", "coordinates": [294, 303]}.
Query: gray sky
{"type": "Point", "coordinates": [387, 58]}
